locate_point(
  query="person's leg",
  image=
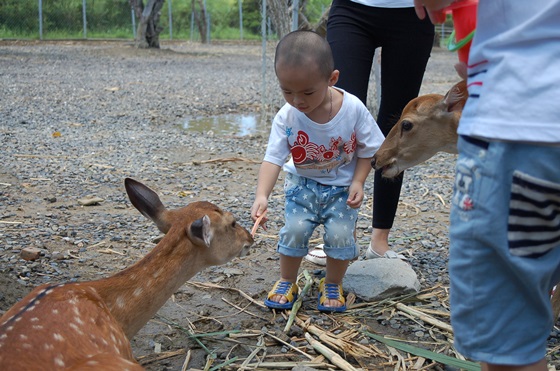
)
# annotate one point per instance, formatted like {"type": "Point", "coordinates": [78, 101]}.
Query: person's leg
{"type": "Point", "coordinates": [289, 267]}
{"type": "Point", "coordinates": [349, 33]}
{"type": "Point", "coordinates": [405, 51]}
{"type": "Point", "coordinates": [539, 366]}
{"type": "Point", "coordinates": [503, 256]}
{"type": "Point", "coordinates": [340, 241]}
{"type": "Point", "coordinates": [298, 227]}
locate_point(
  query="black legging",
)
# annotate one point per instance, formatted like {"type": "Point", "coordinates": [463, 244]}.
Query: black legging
{"type": "Point", "coordinates": [354, 31]}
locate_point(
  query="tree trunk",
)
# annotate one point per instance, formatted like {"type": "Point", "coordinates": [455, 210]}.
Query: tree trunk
{"type": "Point", "coordinates": [201, 21]}
{"type": "Point", "coordinates": [280, 15]}
{"type": "Point", "coordinates": [147, 34]}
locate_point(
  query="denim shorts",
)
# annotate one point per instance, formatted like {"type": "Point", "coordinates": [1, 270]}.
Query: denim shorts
{"type": "Point", "coordinates": [505, 249]}
{"type": "Point", "coordinates": [309, 204]}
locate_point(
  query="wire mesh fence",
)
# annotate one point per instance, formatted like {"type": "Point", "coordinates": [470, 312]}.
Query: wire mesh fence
{"type": "Point", "coordinates": [91, 19]}
{"type": "Point", "coordinates": [115, 19]}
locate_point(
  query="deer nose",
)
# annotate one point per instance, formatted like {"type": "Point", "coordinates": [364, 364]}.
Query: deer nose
{"type": "Point", "coordinates": [373, 162]}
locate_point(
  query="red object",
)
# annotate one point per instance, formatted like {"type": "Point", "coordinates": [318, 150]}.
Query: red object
{"type": "Point", "coordinates": [464, 22]}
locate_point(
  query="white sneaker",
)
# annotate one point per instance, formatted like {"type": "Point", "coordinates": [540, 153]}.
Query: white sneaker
{"type": "Point", "coordinates": [317, 256]}
{"type": "Point", "coordinates": [390, 254]}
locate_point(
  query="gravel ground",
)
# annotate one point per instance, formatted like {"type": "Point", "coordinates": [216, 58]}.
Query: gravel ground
{"type": "Point", "coordinates": [76, 118]}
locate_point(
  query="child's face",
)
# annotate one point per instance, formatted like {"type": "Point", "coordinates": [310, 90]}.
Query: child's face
{"type": "Point", "coordinates": [303, 87]}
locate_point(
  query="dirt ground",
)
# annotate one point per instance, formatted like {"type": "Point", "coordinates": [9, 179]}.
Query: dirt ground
{"type": "Point", "coordinates": [114, 124]}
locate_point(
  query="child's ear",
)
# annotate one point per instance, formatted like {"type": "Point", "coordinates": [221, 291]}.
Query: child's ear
{"type": "Point", "coordinates": [334, 77]}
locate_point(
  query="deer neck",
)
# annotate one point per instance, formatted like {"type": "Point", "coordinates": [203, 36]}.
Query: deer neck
{"type": "Point", "coordinates": [135, 294]}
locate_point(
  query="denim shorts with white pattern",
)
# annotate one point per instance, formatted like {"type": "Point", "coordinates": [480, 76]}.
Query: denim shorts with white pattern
{"type": "Point", "coordinates": [505, 249]}
{"type": "Point", "coordinates": [309, 204]}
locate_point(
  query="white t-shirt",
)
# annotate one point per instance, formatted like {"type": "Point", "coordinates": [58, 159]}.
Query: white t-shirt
{"type": "Point", "coordinates": [326, 153]}
{"type": "Point", "coordinates": [514, 72]}
{"type": "Point", "coordinates": [386, 3]}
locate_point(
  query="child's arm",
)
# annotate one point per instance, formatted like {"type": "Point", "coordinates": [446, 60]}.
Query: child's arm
{"type": "Point", "coordinates": [356, 190]}
{"type": "Point", "coordinates": [268, 175]}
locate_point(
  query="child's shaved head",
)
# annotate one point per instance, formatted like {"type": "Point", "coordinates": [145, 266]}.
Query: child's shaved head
{"type": "Point", "coordinates": [301, 48]}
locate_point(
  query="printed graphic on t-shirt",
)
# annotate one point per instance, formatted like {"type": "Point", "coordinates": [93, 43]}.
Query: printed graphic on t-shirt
{"type": "Point", "coordinates": [309, 155]}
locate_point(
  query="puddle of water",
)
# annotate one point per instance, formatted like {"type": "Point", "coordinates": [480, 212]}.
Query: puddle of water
{"type": "Point", "coordinates": [230, 124]}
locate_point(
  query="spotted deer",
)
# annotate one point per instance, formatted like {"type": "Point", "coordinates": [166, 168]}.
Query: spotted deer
{"type": "Point", "coordinates": [428, 125]}
{"type": "Point", "coordinates": [88, 325]}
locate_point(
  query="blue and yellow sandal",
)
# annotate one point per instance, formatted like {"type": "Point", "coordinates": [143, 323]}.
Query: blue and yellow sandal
{"type": "Point", "coordinates": [330, 291]}
{"type": "Point", "coordinates": [284, 288]}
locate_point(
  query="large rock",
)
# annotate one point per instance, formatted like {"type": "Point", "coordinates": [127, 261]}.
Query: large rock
{"type": "Point", "coordinates": [378, 279]}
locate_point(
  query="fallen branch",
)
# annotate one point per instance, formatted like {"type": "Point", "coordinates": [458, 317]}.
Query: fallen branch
{"type": "Point", "coordinates": [289, 365]}
{"type": "Point", "coordinates": [111, 251]}
{"type": "Point", "coordinates": [225, 159]}
{"type": "Point", "coordinates": [424, 317]}
{"type": "Point", "coordinates": [150, 358]}
{"type": "Point", "coordinates": [214, 286]}
{"type": "Point", "coordinates": [344, 345]}
{"type": "Point", "coordinates": [331, 356]}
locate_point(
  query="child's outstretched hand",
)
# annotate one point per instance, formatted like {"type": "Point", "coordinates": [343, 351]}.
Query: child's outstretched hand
{"type": "Point", "coordinates": [355, 195]}
{"type": "Point", "coordinates": [258, 214]}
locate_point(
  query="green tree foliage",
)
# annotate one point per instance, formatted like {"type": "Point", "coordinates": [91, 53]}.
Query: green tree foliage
{"type": "Point", "coordinates": [112, 18]}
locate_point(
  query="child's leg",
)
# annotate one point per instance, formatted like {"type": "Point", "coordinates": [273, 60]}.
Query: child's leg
{"type": "Point", "coordinates": [336, 269]}
{"type": "Point", "coordinates": [289, 267]}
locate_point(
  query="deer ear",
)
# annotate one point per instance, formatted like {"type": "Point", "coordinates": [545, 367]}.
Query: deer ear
{"type": "Point", "coordinates": [200, 230]}
{"type": "Point", "coordinates": [148, 203]}
{"type": "Point", "coordinates": [456, 97]}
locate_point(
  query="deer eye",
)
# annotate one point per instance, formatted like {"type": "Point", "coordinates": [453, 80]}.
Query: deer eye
{"type": "Point", "coordinates": [233, 224]}
{"type": "Point", "coordinates": [406, 125]}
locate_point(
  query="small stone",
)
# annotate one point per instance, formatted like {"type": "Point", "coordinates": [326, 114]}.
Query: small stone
{"type": "Point", "coordinates": [30, 253]}
{"type": "Point", "coordinates": [90, 200]}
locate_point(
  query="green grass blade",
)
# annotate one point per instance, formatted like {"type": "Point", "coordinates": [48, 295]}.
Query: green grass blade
{"type": "Point", "coordinates": [441, 358]}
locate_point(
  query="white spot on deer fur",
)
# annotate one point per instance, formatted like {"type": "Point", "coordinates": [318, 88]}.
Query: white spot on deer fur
{"type": "Point", "coordinates": [76, 328]}
{"type": "Point", "coordinates": [59, 360]}
{"type": "Point", "coordinates": [158, 273]}
{"type": "Point", "coordinates": [48, 346]}
{"type": "Point", "coordinates": [18, 319]}
{"type": "Point", "coordinates": [79, 321]}
{"type": "Point", "coordinates": [55, 311]}
{"type": "Point", "coordinates": [9, 328]}
{"type": "Point", "coordinates": [37, 327]}
{"type": "Point", "coordinates": [3, 336]}
{"type": "Point", "coordinates": [121, 302]}
{"type": "Point", "coordinates": [27, 346]}
{"type": "Point", "coordinates": [34, 319]}
{"type": "Point", "coordinates": [30, 308]}
{"type": "Point", "coordinates": [23, 336]}
{"type": "Point", "coordinates": [92, 363]}
{"type": "Point", "coordinates": [58, 337]}
{"type": "Point", "coordinates": [138, 291]}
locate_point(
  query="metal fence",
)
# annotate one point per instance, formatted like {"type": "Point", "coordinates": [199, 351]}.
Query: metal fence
{"type": "Point", "coordinates": [110, 19]}
{"type": "Point", "coordinates": [91, 19]}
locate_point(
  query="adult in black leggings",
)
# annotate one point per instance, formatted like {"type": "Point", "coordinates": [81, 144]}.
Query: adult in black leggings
{"type": "Point", "coordinates": [354, 31]}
